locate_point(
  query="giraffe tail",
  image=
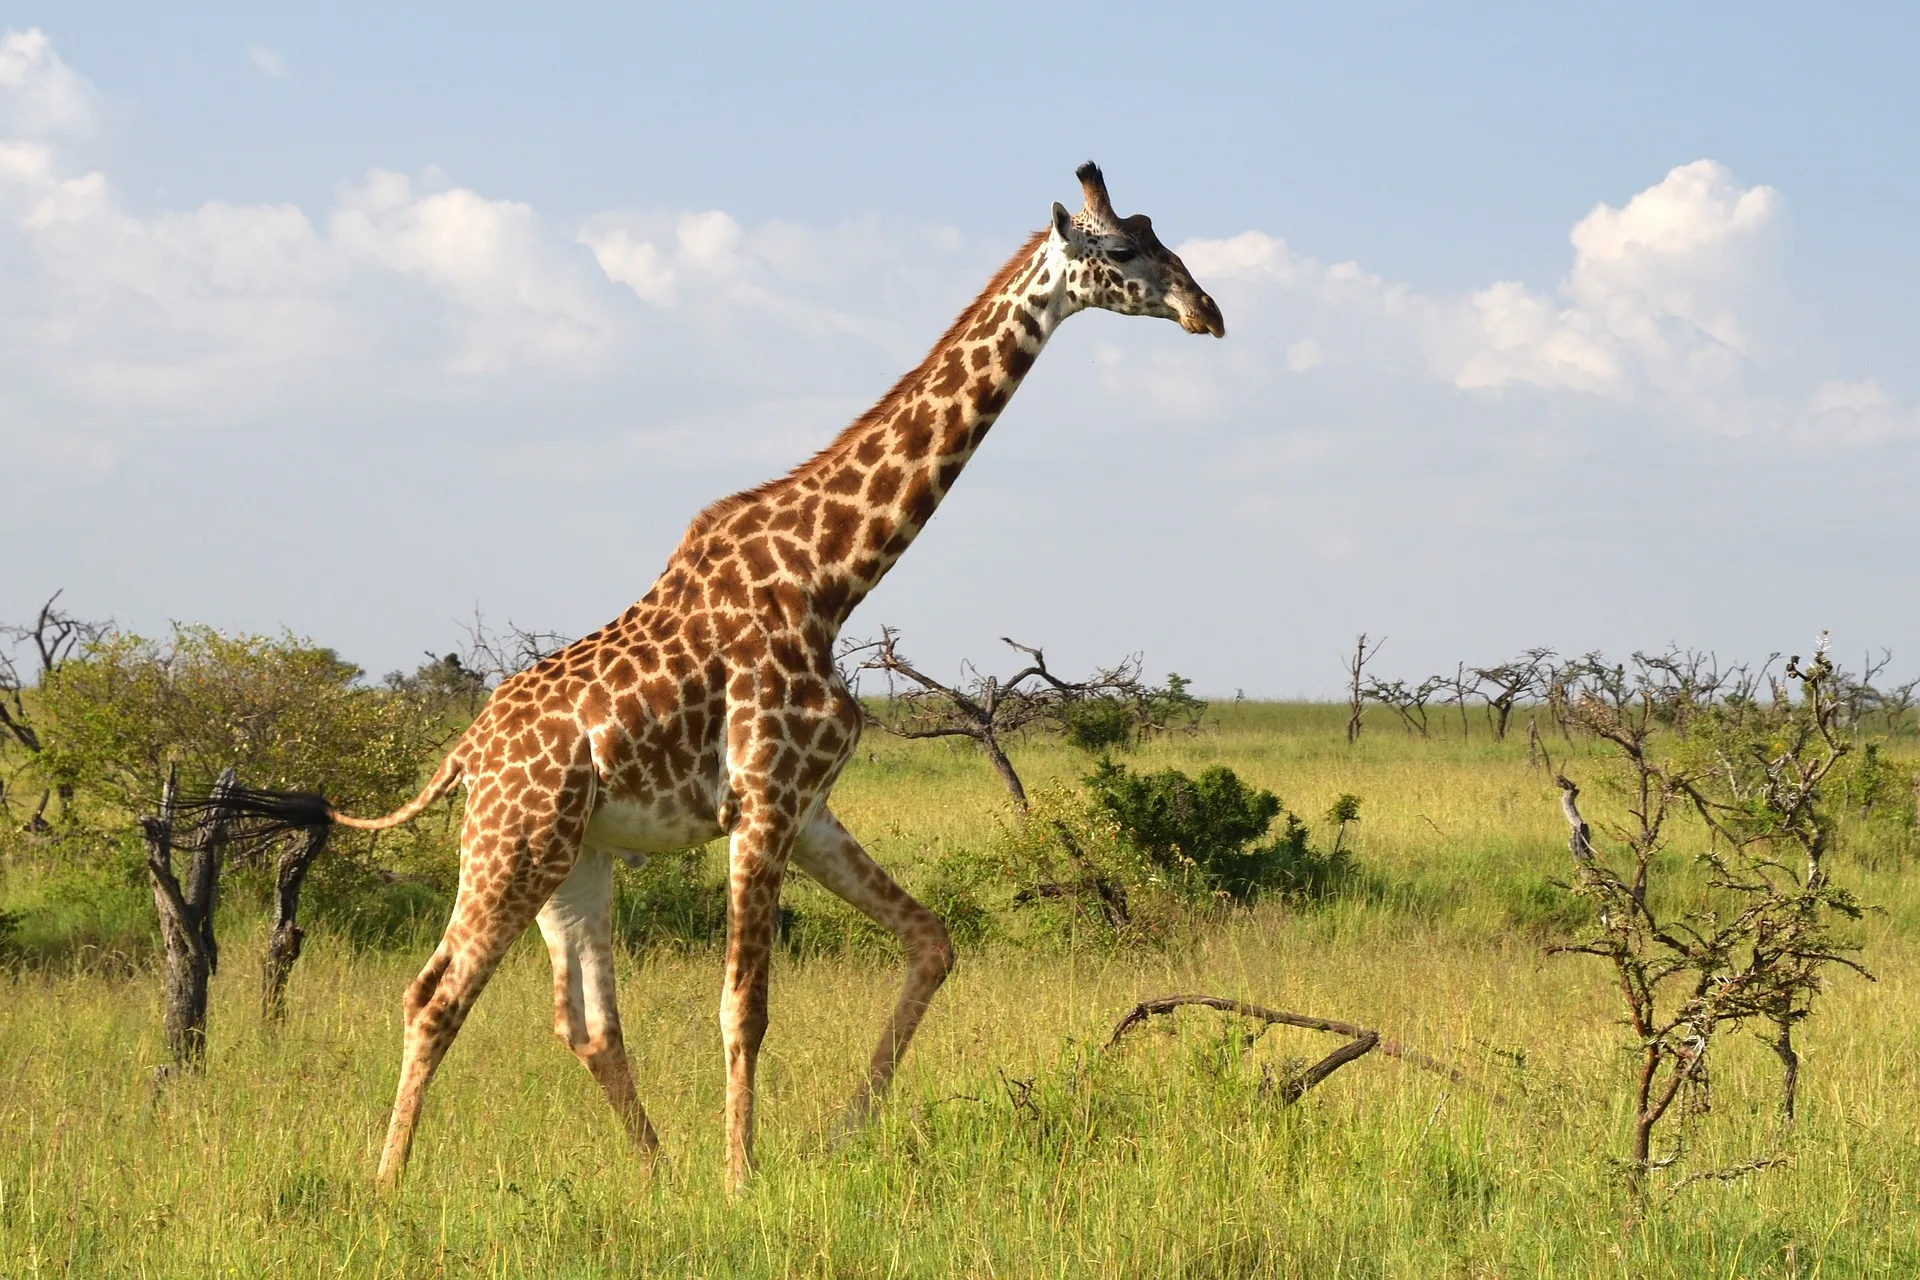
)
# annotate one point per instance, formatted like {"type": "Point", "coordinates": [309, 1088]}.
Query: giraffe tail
{"type": "Point", "coordinates": [443, 780]}
{"type": "Point", "coordinates": [279, 811]}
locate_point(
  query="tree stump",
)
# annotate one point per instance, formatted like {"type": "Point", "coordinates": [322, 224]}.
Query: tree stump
{"type": "Point", "coordinates": [283, 947]}
{"type": "Point", "coordinates": [186, 920]}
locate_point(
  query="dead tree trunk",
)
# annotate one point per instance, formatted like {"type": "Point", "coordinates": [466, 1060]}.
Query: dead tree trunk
{"type": "Point", "coordinates": [186, 920]}
{"type": "Point", "coordinates": [283, 947]}
{"type": "Point", "coordinates": [1356, 700]}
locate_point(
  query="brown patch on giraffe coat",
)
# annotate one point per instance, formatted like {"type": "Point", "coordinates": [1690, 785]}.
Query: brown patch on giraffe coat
{"type": "Point", "coordinates": [914, 432]}
{"type": "Point", "coordinates": [919, 500]}
{"type": "Point", "coordinates": [797, 559]}
{"type": "Point", "coordinates": [883, 484]}
{"type": "Point", "coordinates": [786, 653]}
{"type": "Point", "coordinates": [952, 376]}
{"type": "Point", "coordinates": [725, 588]}
{"type": "Point", "coordinates": [837, 525]}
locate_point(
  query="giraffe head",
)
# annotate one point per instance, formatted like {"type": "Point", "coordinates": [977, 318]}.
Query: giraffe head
{"type": "Point", "coordinates": [1118, 264]}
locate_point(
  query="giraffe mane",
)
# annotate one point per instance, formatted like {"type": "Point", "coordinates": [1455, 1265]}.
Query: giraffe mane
{"type": "Point", "coordinates": [899, 392]}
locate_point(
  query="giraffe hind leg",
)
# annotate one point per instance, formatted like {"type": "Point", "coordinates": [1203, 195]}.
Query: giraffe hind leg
{"type": "Point", "coordinates": [435, 1007]}
{"type": "Point", "coordinates": [577, 923]}
{"type": "Point", "coordinates": [507, 874]}
{"type": "Point", "coordinates": [833, 858]}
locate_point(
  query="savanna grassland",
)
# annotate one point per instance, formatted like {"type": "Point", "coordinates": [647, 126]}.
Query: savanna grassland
{"type": "Point", "coordinates": [1012, 1145]}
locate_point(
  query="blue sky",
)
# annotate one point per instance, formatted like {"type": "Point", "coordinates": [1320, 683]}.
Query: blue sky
{"type": "Point", "coordinates": [1585, 326]}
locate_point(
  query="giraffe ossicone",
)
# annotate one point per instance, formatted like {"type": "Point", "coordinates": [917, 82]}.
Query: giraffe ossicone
{"type": "Point", "coordinates": [712, 706]}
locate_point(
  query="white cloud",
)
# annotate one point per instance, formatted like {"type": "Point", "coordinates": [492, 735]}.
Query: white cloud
{"type": "Point", "coordinates": [1672, 304]}
{"type": "Point", "coordinates": [634, 263]}
{"type": "Point", "coordinates": [394, 370]}
{"type": "Point", "coordinates": [1675, 290]}
{"type": "Point", "coordinates": [1684, 249]}
{"type": "Point", "coordinates": [1668, 308]}
{"type": "Point", "coordinates": [40, 94]}
{"type": "Point", "coordinates": [1304, 355]}
{"type": "Point", "coordinates": [794, 275]}
{"type": "Point", "coordinates": [267, 62]}
{"type": "Point", "coordinates": [1506, 333]}
{"type": "Point", "coordinates": [522, 294]}
{"type": "Point", "coordinates": [1859, 412]}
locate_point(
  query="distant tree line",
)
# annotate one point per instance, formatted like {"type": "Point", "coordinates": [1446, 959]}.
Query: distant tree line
{"type": "Point", "coordinates": [1490, 695]}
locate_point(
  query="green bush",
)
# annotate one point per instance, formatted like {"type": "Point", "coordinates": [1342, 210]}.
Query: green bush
{"type": "Point", "coordinates": [287, 714]}
{"type": "Point", "coordinates": [1135, 855]}
{"type": "Point", "coordinates": [956, 891]}
{"type": "Point", "coordinates": [675, 899]}
{"type": "Point", "coordinates": [1207, 832]}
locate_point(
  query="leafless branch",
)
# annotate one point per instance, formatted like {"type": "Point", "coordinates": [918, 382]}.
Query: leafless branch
{"type": "Point", "coordinates": [1356, 1034]}
{"type": "Point", "coordinates": [990, 710]}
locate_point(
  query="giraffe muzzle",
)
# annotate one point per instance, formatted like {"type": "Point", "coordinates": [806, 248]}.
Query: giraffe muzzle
{"type": "Point", "coordinates": [1201, 314]}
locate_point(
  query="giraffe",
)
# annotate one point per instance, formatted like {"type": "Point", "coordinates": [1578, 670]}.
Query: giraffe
{"type": "Point", "coordinates": [712, 707]}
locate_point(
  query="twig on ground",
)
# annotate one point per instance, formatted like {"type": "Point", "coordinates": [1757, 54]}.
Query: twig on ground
{"type": "Point", "coordinates": [1361, 1040]}
{"type": "Point", "coordinates": [1729, 1173]}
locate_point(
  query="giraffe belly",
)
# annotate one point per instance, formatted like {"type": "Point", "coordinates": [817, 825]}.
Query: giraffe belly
{"type": "Point", "coordinates": [633, 829]}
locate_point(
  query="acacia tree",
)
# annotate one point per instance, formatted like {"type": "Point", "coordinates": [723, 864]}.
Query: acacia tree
{"type": "Point", "coordinates": [1506, 685]}
{"type": "Point", "coordinates": [1756, 948]}
{"type": "Point", "coordinates": [1764, 771]}
{"type": "Point", "coordinates": [1113, 706]}
{"type": "Point", "coordinates": [282, 711]}
{"type": "Point", "coordinates": [1410, 704]}
{"type": "Point", "coordinates": [125, 714]}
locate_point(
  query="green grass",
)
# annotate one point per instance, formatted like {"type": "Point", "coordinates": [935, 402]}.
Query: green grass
{"type": "Point", "coordinates": [1012, 1145]}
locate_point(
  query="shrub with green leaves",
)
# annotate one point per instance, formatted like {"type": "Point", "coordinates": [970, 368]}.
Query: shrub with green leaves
{"type": "Point", "coordinates": [1211, 832]}
{"type": "Point", "coordinates": [286, 713]}
{"type": "Point", "coordinates": [1135, 853]}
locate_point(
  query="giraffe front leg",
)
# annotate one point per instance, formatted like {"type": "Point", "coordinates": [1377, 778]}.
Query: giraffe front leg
{"type": "Point", "coordinates": [829, 854]}
{"type": "Point", "coordinates": [757, 855]}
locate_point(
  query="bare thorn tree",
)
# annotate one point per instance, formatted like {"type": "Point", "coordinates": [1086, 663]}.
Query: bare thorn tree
{"type": "Point", "coordinates": [493, 656]}
{"type": "Point", "coordinates": [1896, 703]}
{"type": "Point", "coordinates": [1755, 947]}
{"type": "Point", "coordinates": [1356, 694]}
{"type": "Point", "coordinates": [1508, 684]}
{"type": "Point", "coordinates": [1765, 795]}
{"type": "Point", "coordinates": [989, 710]}
{"type": "Point", "coordinates": [1463, 686]}
{"type": "Point", "coordinates": [54, 636]}
{"type": "Point", "coordinates": [1410, 704]}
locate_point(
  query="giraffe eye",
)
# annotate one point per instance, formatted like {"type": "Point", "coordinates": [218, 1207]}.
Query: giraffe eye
{"type": "Point", "coordinates": [1119, 255]}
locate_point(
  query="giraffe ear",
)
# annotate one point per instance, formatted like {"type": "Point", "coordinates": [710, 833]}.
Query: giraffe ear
{"type": "Point", "coordinates": [1071, 239]}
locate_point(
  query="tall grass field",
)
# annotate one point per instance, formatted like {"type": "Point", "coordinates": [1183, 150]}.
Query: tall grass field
{"type": "Point", "coordinates": [1013, 1145]}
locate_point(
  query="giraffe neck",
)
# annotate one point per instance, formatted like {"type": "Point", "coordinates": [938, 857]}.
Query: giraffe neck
{"type": "Point", "coordinates": [876, 486]}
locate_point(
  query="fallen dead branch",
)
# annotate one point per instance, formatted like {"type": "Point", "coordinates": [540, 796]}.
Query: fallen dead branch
{"type": "Point", "coordinates": [1360, 1040]}
{"type": "Point", "coordinates": [1728, 1174]}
